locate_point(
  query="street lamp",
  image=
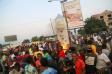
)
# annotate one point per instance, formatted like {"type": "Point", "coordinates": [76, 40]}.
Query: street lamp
{"type": "Point", "coordinates": [64, 14]}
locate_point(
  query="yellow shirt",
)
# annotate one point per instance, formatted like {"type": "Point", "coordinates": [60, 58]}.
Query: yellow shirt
{"type": "Point", "coordinates": [35, 53]}
{"type": "Point", "coordinates": [93, 47]}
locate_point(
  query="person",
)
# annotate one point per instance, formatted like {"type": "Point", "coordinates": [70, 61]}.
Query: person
{"type": "Point", "coordinates": [103, 61]}
{"type": "Point", "coordinates": [1, 64]}
{"type": "Point", "coordinates": [47, 55]}
{"type": "Point", "coordinates": [16, 69]}
{"type": "Point", "coordinates": [38, 52]}
{"type": "Point", "coordinates": [108, 43]}
{"type": "Point", "coordinates": [69, 52]}
{"type": "Point", "coordinates": [81, 55]}
{"type": "Point", "coordinates": [105, 50]}
{"type": "Point", "coordinates": [38, 65]}
{"type": "Point", "coordinates": [29, 68]}
{"type": "Point", "coordinates": [79, 64]}
{"type": "Point", "coordinates": [68, 66]}
{"type": "Point", "coordinates": [46, 69]}
{"type": "Point", "coordinates": [110, 57]}
{"type": "Point", "coordinates": [95, 37]}
{"type": "Point", "coordinates": [90, 61]}
{"type": "Point", "coordinates": [61, 53]}
{"type": "Point", "coordinates": [24, 57]}
{"type": "Point", "coordinates": [4, 64]}
{"type": "Point", "coordinates": [92, 45]}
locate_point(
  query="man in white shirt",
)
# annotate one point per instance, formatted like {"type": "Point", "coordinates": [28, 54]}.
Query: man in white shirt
{"type": "Point", "coordinates": [95, 37]}
{"type": "Point", "coordinates": [103, 61]}
{"type": "Point", "coordinates": [105, 50]}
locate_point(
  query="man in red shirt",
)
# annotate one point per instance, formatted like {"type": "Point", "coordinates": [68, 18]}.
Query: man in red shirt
{"type": "Point", "coordinates": [79, 64]}
{"type": "Point", "coordinates": [61, 53]}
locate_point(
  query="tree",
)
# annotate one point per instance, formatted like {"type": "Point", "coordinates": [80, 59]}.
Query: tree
{"type": "Point", "coordinates": [26, 41]}
{"type": "Point", "coordinates": [35, 38]}
{"type": "Point", "coordinates": [93, 25]}
{"type": "Point", "coordinates": [81, 31]}
{"type": "Point", "coordinates": [41, 38]}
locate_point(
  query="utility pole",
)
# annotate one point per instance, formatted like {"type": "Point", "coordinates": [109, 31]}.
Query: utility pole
{"type": "Point", "coordinates": [64, 14]}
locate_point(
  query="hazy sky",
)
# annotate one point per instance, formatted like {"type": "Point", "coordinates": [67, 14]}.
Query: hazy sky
{"type": "Point", "coordinates": [27, 18]}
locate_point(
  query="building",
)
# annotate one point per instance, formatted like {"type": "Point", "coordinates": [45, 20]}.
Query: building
{"type": "Point", "coordinates": [106, 16]}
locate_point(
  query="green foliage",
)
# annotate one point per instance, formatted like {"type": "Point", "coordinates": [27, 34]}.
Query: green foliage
{"type": "Point", "coordinates": [81, 31]}
{"type": "Point", "coordinates": [93, 25]}
{"type": "Point", "coordinates": [26, 41]}
{"type": "Point", "coordinates": [35, 38]}
{"type": "Point", "coordinates": [41, 38]}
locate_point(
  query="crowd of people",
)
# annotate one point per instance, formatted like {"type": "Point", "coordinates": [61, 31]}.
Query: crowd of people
{"type": "Point", "coordinates": [91, 54]}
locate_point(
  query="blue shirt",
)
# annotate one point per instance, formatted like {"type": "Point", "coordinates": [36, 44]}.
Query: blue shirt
{"type": "Point", "coordinates": [49, 71]}
{"type": "Point", "coordinates": [48, 57]}
{"type": "Point", "coordinates": [29, 69]}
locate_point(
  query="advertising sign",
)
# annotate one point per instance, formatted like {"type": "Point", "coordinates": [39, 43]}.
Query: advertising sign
{"type": "Point", "coordinates": [61, 30]}
{"type": "Point", "coordinates": [72, 10]}
{"type": "Point", "coordinates": [10, 38]}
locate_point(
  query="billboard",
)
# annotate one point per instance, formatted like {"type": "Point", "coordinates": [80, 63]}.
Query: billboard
{"type": "Point", "coordinates": [72, 11]}
{"type": "Point", "coordinates": [10, 38]}
{"type": "Point", "coordinates": [61, 30]}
